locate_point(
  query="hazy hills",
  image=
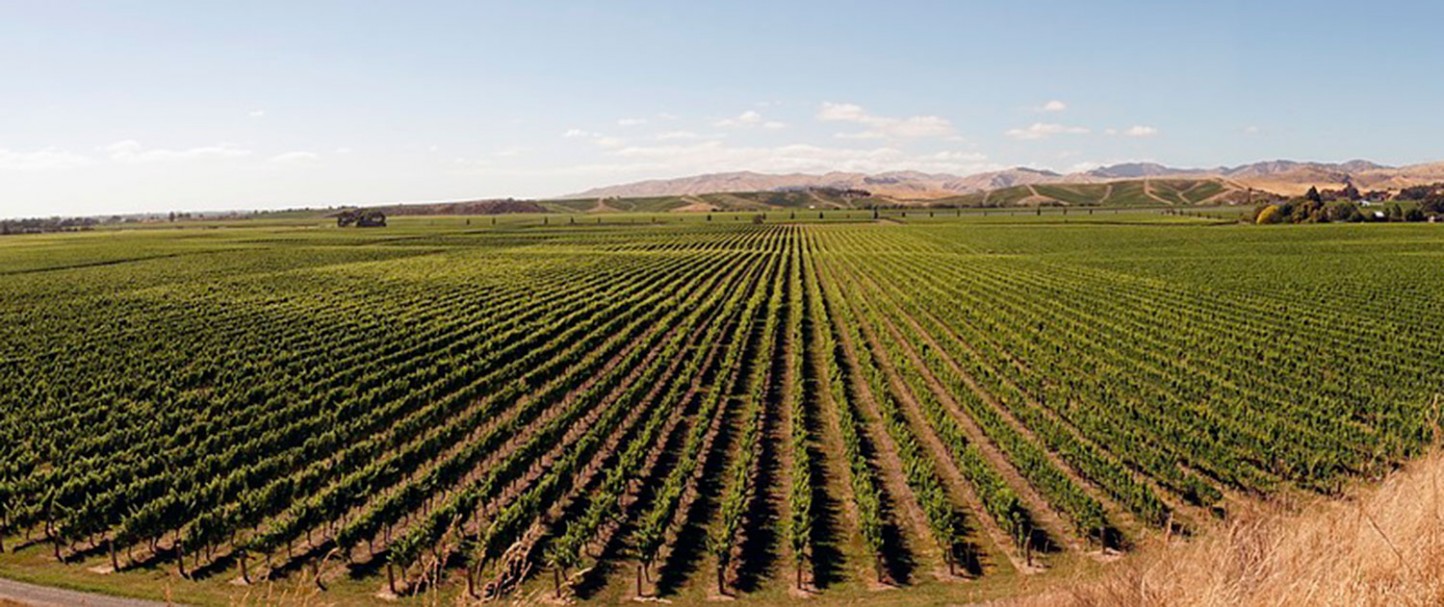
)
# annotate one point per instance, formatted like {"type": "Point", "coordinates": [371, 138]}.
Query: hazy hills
{"type": "Point", "coordinates": [1280, 176]}
{"type": "Point", "coordinates": [1146, 192]}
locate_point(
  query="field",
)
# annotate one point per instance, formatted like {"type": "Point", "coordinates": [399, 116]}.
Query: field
{"type": "Point", "coordinates": [940, 406]}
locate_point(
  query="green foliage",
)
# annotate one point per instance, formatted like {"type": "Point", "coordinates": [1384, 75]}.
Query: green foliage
{"type": "Point", "coordinates": [458, 390]}
{"type": "Point", "coordinates": [1270, 214]}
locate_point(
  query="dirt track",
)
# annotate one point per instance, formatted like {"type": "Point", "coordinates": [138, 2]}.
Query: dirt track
{"type": "Point", "coordinates": [30, 594]}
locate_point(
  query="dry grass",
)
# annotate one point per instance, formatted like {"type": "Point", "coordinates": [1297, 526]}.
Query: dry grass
{"type": "Point", "coordinates": [1384, 546]}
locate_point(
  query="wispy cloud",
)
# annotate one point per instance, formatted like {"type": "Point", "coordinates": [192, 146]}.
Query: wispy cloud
{"type": "Point", "coordinates": [296, 157]}
{"type": "Point", "coordinates": [1140, 131]}
{"type": "Point", "coordinates": [1053, 106]}
{"type": "Point", "coordinates": [883, 127]}
{"type": "Point", "coordinates": [714, 155]}
{"type": "Point", "coordinates": [749, 119]}
{"type": "Point", "coordinates": [682, 135]}
{"type": "Point", "coordinates": [132, 151]}
{"type": "Point", "coordinates": [631, 121]}
{"type": "Point", "coordinates": [256, 113]}
{"type": "Point", "coordinates": [1043, 130]}
{"type": "Point", "coordinates": [41, 160]}
{"type": "Point", "coordinates": [598, 139]}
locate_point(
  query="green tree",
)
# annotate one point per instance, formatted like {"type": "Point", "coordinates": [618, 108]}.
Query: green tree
{"type": "Point", "coordinates": [1270, 214]}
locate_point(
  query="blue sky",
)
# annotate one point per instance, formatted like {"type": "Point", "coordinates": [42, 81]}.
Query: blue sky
{"type": "Point", "coordinates": [120, 106]}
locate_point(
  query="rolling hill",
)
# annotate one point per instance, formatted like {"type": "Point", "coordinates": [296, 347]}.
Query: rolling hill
{"type": "Point", "coordinates": [1285, 177]}
{"type": "Point", "coordinates": [1150, 192]}
{"type": "Point", "coordinates": [1124, 193]}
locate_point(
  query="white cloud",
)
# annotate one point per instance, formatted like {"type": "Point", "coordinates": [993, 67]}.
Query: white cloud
{"type": "Point", "coordinates": [1140, 131]}
{"type": "Point", "coordinates": [749, 119]}
{"type": "Point", "coordinates": [882, 127]}
{"type": "Point", "coordinates": [1043, 130]}
{"type": "Point", "coordinates": [841, 112]}
{"type": "Point", "coordinates": [297, 157]}
{"type": "Point", "coordinates": [631, 121]}
{"type": "Point", "coordinates": [677, 135]}
{"type": "Point", "coordinates": [745, 119]}
{"type": "Point", "coordinates": [41, 160]}
{"type": "Point", "coordinates": [132, 151]}
{"type": "Point", "coordinates": [343, 150]}
{"type": "Point", "coordinates": [666, 117]}
{"type": "Point", "coordinates": [717, 156]}
{"type": "Point", "coordinates": [256, 113]}
{"type": "Point", "coordinates": [1053, 106]}
{"type": "Point", "coordinates": [596, 138]}
{"type": "Point", "coordinates": [1251, 130]}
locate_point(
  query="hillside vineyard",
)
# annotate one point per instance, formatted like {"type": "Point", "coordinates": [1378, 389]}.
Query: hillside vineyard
{"type": "Point", "coordinates": [730, 406]}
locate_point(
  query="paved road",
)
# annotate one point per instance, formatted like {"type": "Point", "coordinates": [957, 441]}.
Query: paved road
{"type": "Point", "coordinates": [43, 596]}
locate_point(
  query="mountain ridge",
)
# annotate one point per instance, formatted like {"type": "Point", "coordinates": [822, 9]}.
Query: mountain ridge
{"type": "Point", "coordinates": [1288, 177]}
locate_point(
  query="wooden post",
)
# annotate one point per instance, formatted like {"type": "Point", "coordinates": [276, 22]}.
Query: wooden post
{"type": "Point", "coordinates": [471, 582]}
{"type": "Point", "coordinates": [245, 569]}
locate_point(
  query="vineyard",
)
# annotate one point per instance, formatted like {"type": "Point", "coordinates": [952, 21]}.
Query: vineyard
{"type": "Point", "coordinates": [756, 408]}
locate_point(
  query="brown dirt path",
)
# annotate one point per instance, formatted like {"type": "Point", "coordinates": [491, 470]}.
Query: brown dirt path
{"type": "Point", "coordinates": [1148, 191]}
{"type": "Point", "coordinates": [21, 593]}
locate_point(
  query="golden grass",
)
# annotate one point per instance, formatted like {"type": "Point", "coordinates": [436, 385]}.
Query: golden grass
{"type": "Point", "coordinates": [1383, 546]}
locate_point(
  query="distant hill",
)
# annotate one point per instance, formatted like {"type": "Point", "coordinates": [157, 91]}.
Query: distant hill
{"type": "Point", "coordinates": [466, 207]}
{"type": "Point", "coordinates": [898, 184]}
{"type": "Point", "coordinates": [804, 198]}
{"type": "Point", "coordinates": [1286, 177]}
{"type": "Point", "coordinates": [1168, 191]}
{"type": "Point", "coordinates": [1150, 192]}
{"type": "Point", "coordinates": [1134, 170]}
